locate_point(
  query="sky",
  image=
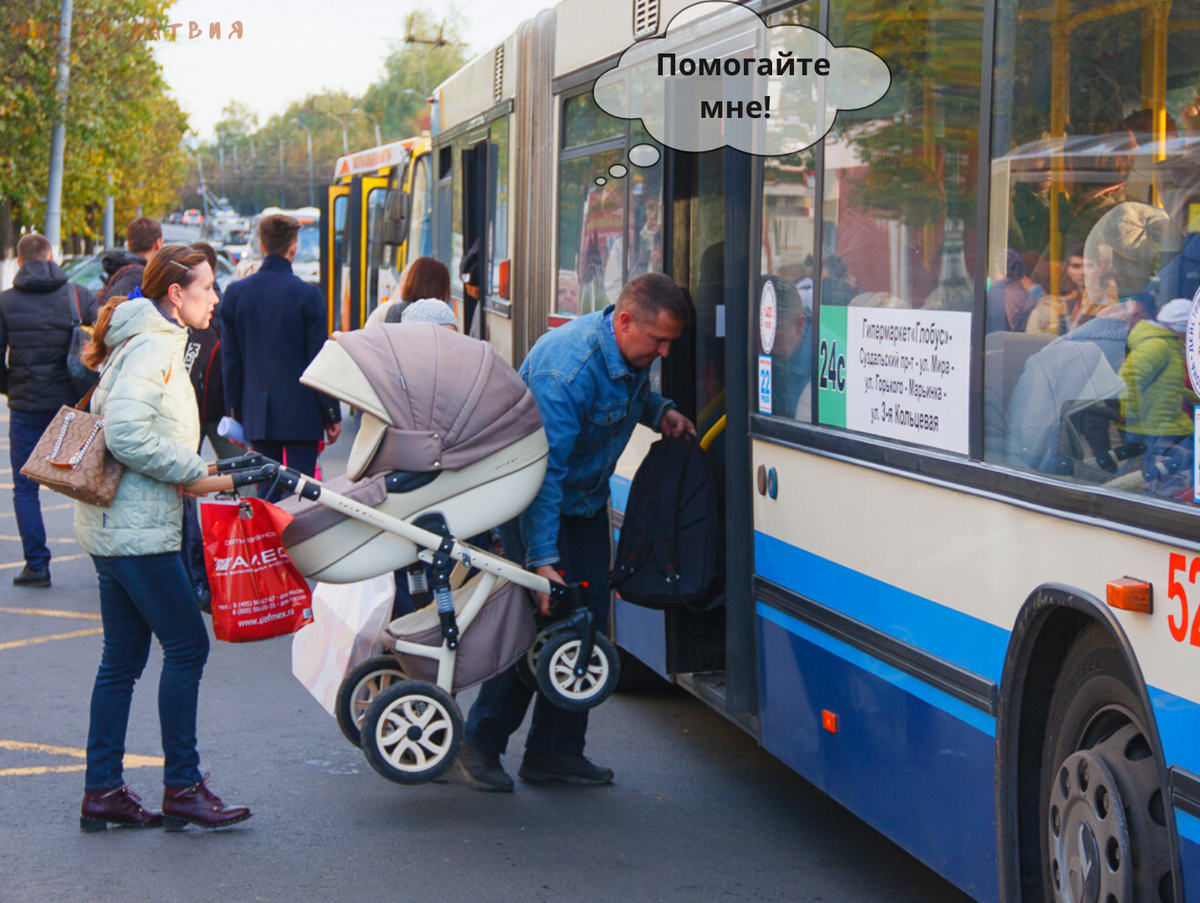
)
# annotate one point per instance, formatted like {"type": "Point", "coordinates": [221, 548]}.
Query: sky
{"type": "Point", "coordinates": [293, 48]}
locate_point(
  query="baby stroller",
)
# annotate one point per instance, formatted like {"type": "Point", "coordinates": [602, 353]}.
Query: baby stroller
{"type": "Point", "coordinates": [450, 444]}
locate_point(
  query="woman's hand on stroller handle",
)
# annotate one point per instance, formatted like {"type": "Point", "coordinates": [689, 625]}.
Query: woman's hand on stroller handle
{"type": "Point", "coordinates": [543, 599]}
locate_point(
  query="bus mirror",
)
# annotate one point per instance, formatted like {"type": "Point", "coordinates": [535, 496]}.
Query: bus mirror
{"type": "Point", "coordinates": [395, 218]}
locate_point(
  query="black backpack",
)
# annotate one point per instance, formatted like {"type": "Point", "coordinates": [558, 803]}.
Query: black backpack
{"type": "Point", "coordinates": [671, 550]}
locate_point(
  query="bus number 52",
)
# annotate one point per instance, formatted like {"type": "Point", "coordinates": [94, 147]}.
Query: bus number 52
{"type": "Point", "coordinates": [1179, 629]}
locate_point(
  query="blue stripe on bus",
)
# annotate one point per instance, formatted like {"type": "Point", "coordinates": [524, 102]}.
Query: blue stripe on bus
{"type": "Point", "coordinates": [1189, 853]}
{"type": "Point", "coordinates": [953, 635]}
{"type": "Point", "coordinates": [1178, 728]}
{"type": "Point", "coordinates": [1188, 826]}
{"type": "Point", "coordinates": [908, 767]}
{"type": "Point", "coordinates": [914, 685]}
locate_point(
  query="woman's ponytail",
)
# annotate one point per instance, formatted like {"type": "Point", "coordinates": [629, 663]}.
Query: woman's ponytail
{"type": "Point", "coordinates": [96, 351]}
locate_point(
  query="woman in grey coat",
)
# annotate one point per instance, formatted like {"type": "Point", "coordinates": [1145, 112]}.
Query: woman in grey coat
{"type": "Point", "coordinates": [151, 425]}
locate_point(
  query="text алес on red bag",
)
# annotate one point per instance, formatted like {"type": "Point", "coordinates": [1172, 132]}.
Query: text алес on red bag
{"type": "Point", "coordinates": [257, 593]}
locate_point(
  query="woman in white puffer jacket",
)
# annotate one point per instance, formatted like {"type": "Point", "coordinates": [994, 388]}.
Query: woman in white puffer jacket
{"type": "Point", "coordinates": [151, 425]}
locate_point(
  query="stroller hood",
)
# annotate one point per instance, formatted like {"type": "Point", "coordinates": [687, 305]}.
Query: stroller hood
{"type": "Point", "coordinates": [431, 399]}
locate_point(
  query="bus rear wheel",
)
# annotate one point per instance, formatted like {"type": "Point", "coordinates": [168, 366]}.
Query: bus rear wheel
{"type": "Point", "coordinates": [1104, 829]}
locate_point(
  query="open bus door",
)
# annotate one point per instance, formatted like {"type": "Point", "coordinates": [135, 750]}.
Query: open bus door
{"type": "Point", "coordinates": [333, 204]}
{"type": "Point", "coordinates": [364, 222]}
{"type": "Point", "coordinates": [706, 224]}
{"type": "Point", "coordinates": [475, 214]}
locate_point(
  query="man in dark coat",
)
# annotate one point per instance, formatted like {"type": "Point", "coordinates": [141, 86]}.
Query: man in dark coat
{"type": "Point", "coordinates": [35, 337]}
{"type": "Point", "coordinates": [272, 326]}
{"type": "Point", "coordinates": [124, 269]}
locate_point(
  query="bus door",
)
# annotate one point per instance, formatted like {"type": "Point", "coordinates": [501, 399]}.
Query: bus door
{"type": "Point", "coordinates": [333, 251]}
{"type": "Point", "coordinates": [704, 252]}
{"type": "Point", "coordinates": [473, 270]}
{"type": "Point", "coordinates": [368, 196]}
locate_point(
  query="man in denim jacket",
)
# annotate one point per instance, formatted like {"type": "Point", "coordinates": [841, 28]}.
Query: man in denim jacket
{"type": "Point", "coordinates": [591, 381]}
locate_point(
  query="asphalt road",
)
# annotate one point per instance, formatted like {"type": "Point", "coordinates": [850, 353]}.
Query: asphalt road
{"type": "Point", "coordinates": [698, 811]}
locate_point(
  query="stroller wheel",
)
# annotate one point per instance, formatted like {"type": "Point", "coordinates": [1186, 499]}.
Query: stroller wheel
{"type": "Point", "coordinates": [359, 690]}
{"type": "Point", "coordinates": [412, 731]}
{"type": "Point", "coordinates": [558, 681]}
{"type": "Point", "coordinates": [527, 664]}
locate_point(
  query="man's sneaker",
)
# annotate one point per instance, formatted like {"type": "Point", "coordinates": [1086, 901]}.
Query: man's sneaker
{"type": "Point", "coordinates": [570, 768]}
{"type": "Point", "coordinates": [35, 577]}
{"type": "Point", "coordinates": [483, 770]}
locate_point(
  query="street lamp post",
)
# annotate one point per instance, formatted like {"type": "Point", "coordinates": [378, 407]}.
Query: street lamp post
{"type": "Point", "coordinates": [282, 177]}
{"type": "Point", "coordinates": [312, 197]}
{"type": "Point", "coordinates": [374, 122]}
{"type": "Point", "coordinates": [342, 123]}
{"type": "Point", "coordinates": [58, 134]}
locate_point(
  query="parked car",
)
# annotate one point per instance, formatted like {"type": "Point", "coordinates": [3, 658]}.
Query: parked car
{"type": "Point", "coordinates": [192, 217]}
{"type": "Point", "coordinates": [88, 270]}
{"type": "Point", "coordinates": [175, 218]}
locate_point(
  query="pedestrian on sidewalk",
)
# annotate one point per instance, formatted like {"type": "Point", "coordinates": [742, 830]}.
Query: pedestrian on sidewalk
{"type": "Point", "coordinates": [591, 381]}
{"type": "Point", "coordinates": [143, 237]}
{"type": "Point", "coordinates": [35, 331]}
{"type": "Point", "coordinates": [151, 426]}
{"type": "Point", "coordinates": [273, 324]}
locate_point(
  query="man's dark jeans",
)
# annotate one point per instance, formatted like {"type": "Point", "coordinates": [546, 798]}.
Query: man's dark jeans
{"type": "Point", "coordinates": [25, 428]}
{"type": "Point", "coordinates": [301, 456]}
{"type": "Point", "coordinates": [140, 596]}
{"type": "Point", "coordinates": [584, 547]}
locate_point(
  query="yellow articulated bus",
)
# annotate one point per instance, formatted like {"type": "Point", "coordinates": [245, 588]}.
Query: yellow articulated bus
{"type": "Point", "coordinates": [375, 216]}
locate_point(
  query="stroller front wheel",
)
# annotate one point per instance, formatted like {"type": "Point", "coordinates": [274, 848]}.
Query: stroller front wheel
{"type": "Point", "coordinates": [359, 690]}
{"type": "Point", "coordinates": [411, 733]}
{"type": "Point", "coordinates": [559, 681]}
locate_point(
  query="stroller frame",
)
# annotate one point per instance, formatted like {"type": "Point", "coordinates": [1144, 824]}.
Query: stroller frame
{"type": "Point", "coordinates": [570, 654]}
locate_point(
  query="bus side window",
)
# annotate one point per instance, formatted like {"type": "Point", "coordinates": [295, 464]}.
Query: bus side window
{"type": "Point", "coordinates": [1090, 246]}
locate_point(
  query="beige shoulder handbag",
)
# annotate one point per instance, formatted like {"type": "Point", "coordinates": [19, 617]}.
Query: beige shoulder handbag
{"type": "Point", "coordinates": [71, 457]}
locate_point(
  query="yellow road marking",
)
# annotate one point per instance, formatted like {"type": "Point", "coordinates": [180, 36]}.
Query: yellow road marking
{"type": "Point", "coordinates": [6, 486]}
{"type": "Point", "coordinates": [16, 644]}
{"type": "Point", "coordinates": [44, 508]}
{"type": "Point", "coordinates": [21, 564]}
{"type": "Point", "coordinates": [51, 613]}
{"type": "Point", "coordinates": [131, 761]}
{"type": "Point", "coordinates": [70, 539]}
{"type": "Point", "coordinates": [6, 470]}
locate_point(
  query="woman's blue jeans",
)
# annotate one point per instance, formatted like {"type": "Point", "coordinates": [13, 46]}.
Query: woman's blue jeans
{"type": "Point", "coordinates": [140, 596]}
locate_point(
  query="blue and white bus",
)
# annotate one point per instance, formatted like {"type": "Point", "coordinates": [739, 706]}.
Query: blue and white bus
{"type": "Point", "coordinates": [936, 365]}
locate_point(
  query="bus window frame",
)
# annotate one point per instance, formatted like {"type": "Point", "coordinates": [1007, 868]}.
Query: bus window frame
{"type": "Point", "coordinates": [454, 138]}
{"type": "Point", "coordinates": [1140, 516]}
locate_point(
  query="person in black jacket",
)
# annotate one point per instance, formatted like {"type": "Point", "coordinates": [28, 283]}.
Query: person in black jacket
{"type": "Point", "coordinates": [35, 338]}
{"type": "Point", "coordinates": [125, 268]}
{"type": "Point", "coordinates": [272, 325]}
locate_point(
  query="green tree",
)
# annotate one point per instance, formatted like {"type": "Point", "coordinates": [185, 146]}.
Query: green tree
{"type": "Point", "coordinates": [120, 120]}
{"type": "Point", "coordinates": [413, 69]}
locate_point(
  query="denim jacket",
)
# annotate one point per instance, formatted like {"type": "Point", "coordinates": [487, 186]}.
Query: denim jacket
{"type": "Point", "coordinates": [590, 400]}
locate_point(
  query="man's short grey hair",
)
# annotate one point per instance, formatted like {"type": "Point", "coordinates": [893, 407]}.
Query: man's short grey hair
{"type": "Point", "coordinates": [651, 294]}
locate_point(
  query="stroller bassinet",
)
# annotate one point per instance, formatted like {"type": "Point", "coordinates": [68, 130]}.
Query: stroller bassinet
{"type": "Point", "coordinates": [447, 426]}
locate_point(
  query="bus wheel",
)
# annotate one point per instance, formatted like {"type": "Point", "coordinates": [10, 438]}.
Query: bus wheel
{"type": "Point", "coordinates": [1104, 833]}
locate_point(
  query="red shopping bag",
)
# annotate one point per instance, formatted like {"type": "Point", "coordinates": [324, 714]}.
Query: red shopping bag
{"type": "Point", "coordinates": [257, 593]}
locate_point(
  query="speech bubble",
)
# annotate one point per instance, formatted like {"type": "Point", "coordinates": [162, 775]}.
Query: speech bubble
{"type": "Point", "coordinates": [721, 77]}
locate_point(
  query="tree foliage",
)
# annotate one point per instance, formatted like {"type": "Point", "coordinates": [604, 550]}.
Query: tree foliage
{"type": "Point", "coordinates": [120, 120]}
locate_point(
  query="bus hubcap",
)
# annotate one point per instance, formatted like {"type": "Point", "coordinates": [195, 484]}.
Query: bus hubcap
{"type": "Point", "coordinates": [1091, 857]}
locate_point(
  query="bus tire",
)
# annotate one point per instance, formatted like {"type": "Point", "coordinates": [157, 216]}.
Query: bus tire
{"type": "Point", "coordinates": [1105, 831]}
